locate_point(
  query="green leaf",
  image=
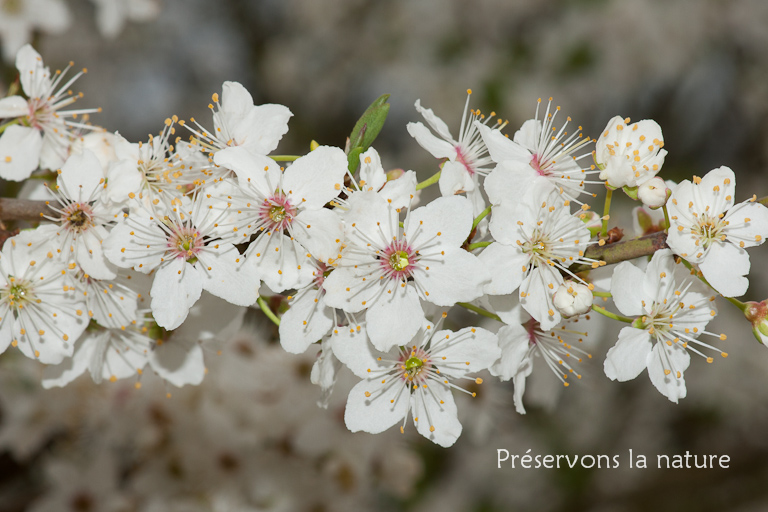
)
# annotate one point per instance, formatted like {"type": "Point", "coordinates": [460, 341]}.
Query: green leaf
{"type": "Point", "coordinates": [354, 158]}
{"type": "Point", "coordinates": [369, 125]}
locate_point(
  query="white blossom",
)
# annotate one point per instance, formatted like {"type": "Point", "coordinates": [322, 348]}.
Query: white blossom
{"type": "Point", "coordinates": [672, 308]}
{"type": "Point", "coordinates": [40, 313]}
{"type": "Point", "coordinates": [416, 380]}
{"type": "Point", "coordinates": [538, 152]}
{"type": "Point", "coordinates": [387, 270]}
{"type": "Point", "coordinates": [572, 298]}
{"type": "Point", "coordinates": [45, 131]}
{"type": "Point", "coordinates": [629, 154]}
{"type": "Point", "coordinates": [707, 229]}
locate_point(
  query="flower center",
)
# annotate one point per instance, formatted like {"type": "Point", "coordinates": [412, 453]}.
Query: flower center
{"type": "Point", "coordinates": [465, 160]}
{"type": "Point", "coordinates": [186, 243]}
{"type": "Point", "coordinates": [414, 364]}
{"type": "Point", "coordinates": [277, 212]}
{"type": "Point", "coordinates": [398, 260]}
{"type": "Point", "coordinates": [77, 217]}
{"type": "Point", "coordinates": [17, 294]}
{"type": "Point", "coordinates": [708, 229]}
{"type": "Point", "coordinates": [539, 166]}
{"type": "Point", "coordinates": [538, 247]}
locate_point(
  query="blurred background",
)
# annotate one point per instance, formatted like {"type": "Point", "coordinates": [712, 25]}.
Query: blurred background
{"type": "Point", "coordinates": [251, 437]}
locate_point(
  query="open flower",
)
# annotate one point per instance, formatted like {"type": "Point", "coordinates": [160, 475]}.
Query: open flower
{"type": "Point", "coordinates": [415, 380]}
{"type": "Point", "coordinates": [188, 253]}
{"type": "Point", "coordinates": [466, 158]}
{"type": "Point", "coordinates": [40, 313]}
{"type": "Point", "coordinates": [46, 130]}
{"type": "Point", "coordinates": [708, 230]}
{"type": "Point", "coordinates": [536, 240]}
{"type": "Point", "coordinates": [285, 211]}
{"type": "Point", "coordinates": [672, 308]}
{"type": "Point", "coordinates": [539, 151]}
{"type": "Point", "coordinates": [387, 270]}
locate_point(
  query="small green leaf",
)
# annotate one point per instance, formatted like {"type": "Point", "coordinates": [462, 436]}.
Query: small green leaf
{"type": "Point", "coordinates": [369, 125]}
{"type": "Point", "coordinates": [354, 158]}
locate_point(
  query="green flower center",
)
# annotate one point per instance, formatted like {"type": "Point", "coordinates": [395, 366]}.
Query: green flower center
{"type": "Point", "coordinates": [399, 261]}
{"type": "Point", "coordinates": [413, 366]}
{"type": "Point", "coordinates": [277, 213]}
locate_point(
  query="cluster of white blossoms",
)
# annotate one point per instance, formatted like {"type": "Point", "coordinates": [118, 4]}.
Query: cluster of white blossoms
{"type": "Point", "coordinates": [145, 252]}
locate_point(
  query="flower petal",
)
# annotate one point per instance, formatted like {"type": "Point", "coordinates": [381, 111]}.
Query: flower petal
{"type": "Point", "coordinates": [452, 277]}
{"type": "Point", "coordinates": [435, 415]}
{"type": "Point", "coordinates": [320, 232]}
{"type": "Point", "coordinates": [664, 375]}
{"type": "Point", "coordinates": [627, 290]}
{"type": "Point", "coordinates": [437, 147]}
{"type": "Point", "coordinates": [20, 148]}
{"type": "Point", "coordinates": [514, 343]}
{"type": "Point", "coordinates": [305, 322]}
{"type": "Point", "coordinates": [177, 286]}
{"type": "Point", "coordinates": [446, 221]}
{"type": "Point", "coordinates": [629, 356]}
{"type": "Point", "coordinates": [316, 178]}
{"type": "Point", "coordinates": [507, 267]}
{"type": "Point", "coordinates": [501, 148]}
{"type": "Point", "coordinates": [724, 267]}
{"type": "Point", "coordinates": [394, 318]}
{"type": "Point", "coordinates": [433, 121]}
{"type": "Point", "coordinates": [222, 272]}
{"type": "Point", "coordinates": [374, 407]}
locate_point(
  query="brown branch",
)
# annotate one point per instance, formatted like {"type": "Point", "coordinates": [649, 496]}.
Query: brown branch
{"type": "Point", "coordinates": [22, 209]}
{"type": "Point", "coordinates": [626, 250]}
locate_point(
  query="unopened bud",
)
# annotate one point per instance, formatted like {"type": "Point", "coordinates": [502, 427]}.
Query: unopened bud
{"type": "Point", "coordinates": [394, 174]}
{"type": "Point", "coordinates": [572, 299]}
{"type": "Point", "coordinates": [654, 192]}
{"type": "Point", "coordinates": [592, 221]}
{"type": "Point", "coordinates": [757, 314]}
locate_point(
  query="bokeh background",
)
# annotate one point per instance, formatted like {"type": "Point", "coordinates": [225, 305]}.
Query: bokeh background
{"type": "Point", "coordinates": [251, 437]}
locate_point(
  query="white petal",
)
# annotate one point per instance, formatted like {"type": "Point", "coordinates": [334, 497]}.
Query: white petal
{"type": "Point", "coordinates": [751, 232]}
{"type": "Point", "coordinates": [401, 190]}
{"type": "Point", "coordinates": [629, 356]}
{"type": "Point", "coordinates": [320, 232]}
{"type": "Point", "coordinates": [454, 179]}
{"type": "Point", "coordinates": [436, 421]}
{"type": "Point", "coordinates": [446, 221]}
{"type": "Point", "coordinates": [394, 318]}
{"type": "Point", "coordinates": [280, 262]}
{"type": "Point", "coordinates": [90, 256]}
{"type": "Point", "coordinates": [20, 148]}
{"type": "Point", "coordinates": [382, 408]}
{"type": "Point", "coordinates": [345, 290]}
{"type": "Point", "coordinates": [507, 266]}
{"type": "Point", "coordinates": [177, 286]}
{"type": "Point", "coordinates": [70, 369]}
{"type": "Point", "coordinates": [351, 347]}
{"type": "Point", "coordinates": [453, 277]}
{"type": "Point", "coordinates": [509, 182]}
{"type": "Point", "coordinates": [270, 124]}
{"type": "Point", "coordinates": [180, 362]}
{"type": "Point", "coordinates": [372, 175]}
{"type": "Point", "coordinates": [627, 289]}
{"type": "Point", "coordinates": [437, 147]}
{"type": "Point", "coordinates": [222, 272]}
{"type": "Point", "coordinates": [671, 385]}
{"type": "Point", "coordinates": [529, 134]}
{"type": "Point", "coordinates": [433, 121]}
{"type": "Point", "coordinates": [514, 343]}
{"type": "Point", "coordinates": [126, 244]}
{"type": "Point", "coordinates": [473, 345]}
{"type": "Point", "coordinates": [538, 299]}
{"type": "Point", "coordinates": [501, 148]}
{"type": "Point", "coordinates": [316, 178]}
{"type": "Point", "coordinates": [717, 189]}
{"type": "Point", "coordinates": [81, 177]}
{"type": "Point", "coordinates": [724, 267]}
{"type": "Point", "coordinates": [254, 171]}
{"type": "Point", "coordinates": [13, 106]}
{"type": "Point", "coordinates": [305, 322]}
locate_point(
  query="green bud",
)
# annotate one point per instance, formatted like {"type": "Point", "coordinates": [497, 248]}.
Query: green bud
{"type": "Point", "coordinates": [313, 145]}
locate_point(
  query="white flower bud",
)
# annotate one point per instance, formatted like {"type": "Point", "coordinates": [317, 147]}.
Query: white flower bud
{"type": "Point", "coordinates": [653, 192]}
{"type": "Point", "coordinates": [629, 154]}
{"type": "Point", "coordinates": [572, 298]}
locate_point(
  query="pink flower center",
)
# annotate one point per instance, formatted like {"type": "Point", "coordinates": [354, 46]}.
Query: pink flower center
{"type": "Point", "coordinates": [321, 273]}
{"type": "Point", "coordinates": [185, 243]}
{"type": "Point", "coordinates": [539, 166]}
{"type": "Point", "coordinates": [465, 160]}
{"type": "Point", "coordinates": [277, 212]}
{"type": "Point", "coordinates": [398, 260]}
{"type": "Point", "coordinates": [415, 365]}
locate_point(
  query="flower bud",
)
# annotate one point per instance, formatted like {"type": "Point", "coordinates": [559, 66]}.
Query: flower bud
{"type": "Point", "coordinates": [593, 222]}
{"type": "Point", "coordinates": [654, 192]}
{"type": "Point", "coordinates": [572, 299]}
{"type": "Point", "coordinates": [393, 174]}
{"type": "Point", "coordinates": [757, 314]}
{"type": "Point", "coordinates": [629, 154]}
